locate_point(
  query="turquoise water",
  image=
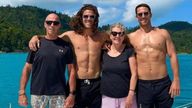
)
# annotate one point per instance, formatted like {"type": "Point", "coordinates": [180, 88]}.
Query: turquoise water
{"type": "Point", "coordinates": [11, 65]}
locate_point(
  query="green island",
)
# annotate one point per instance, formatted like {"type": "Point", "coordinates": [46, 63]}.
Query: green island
{"type": "Point", "coordinates": [19, 24]}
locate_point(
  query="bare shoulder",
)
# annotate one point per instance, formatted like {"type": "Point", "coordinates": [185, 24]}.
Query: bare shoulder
{"type": "Point", "coordinates": [67, 35]}
{"type": "Point", "coordinates": [163, 32]}
{"type": "Point", "coordinates": [133, 34]}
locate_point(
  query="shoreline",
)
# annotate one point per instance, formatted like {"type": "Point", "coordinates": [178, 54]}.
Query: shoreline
{"type": "Point", "coordinates": [12, 52]}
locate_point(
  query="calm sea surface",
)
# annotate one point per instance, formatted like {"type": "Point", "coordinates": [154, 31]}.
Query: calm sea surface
{"type": "Point", "coordinates": [11, 65]}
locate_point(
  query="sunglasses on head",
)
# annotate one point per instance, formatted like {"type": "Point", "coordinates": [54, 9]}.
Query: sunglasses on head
{"type": "Point", "coordinates": [89, 16]}
{"type": "Point", "coordinates": [115, 33]}
{"type": "Point", "coordinates": [55, 23]}
{"type": "Point", "coordinates": [143, 14]}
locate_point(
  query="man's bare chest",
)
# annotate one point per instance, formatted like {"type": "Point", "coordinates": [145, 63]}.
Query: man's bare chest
{"type": "Point", "coordinates": [149, 42]}
{"type": "Point", "coordinates": [86, 44]}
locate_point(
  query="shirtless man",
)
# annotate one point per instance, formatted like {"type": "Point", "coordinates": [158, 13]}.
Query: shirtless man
{"type": "Point", "coordinates": [152, 45]}
{"type": "Point", "coordinates": [87, 43]}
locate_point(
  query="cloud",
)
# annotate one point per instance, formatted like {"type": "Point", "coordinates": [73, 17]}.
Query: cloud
{"type": "Point", "coordinates": [110, 2]}
{"type": "Point", "coordinates": [104, 2]}
{"type": "Point", "coordinates": [64, 6]}
{"type": "Point", "coordinates": [69, 12]}
{"type": "Point", "coordinates": [107, 15]}
{"type": "Point", "coordinates": [159, 8]}
{"type": "Point", "coordinates": [46, 4]}
{"type": "Point", "coordinates": [111, 11]}
{"type": "Point", "coordinates": [19, 2]}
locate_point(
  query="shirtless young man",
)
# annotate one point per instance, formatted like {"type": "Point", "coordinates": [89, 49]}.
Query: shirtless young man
{"type": "Point", "coordinates": [87, 42]}
{"type": "Point", "coordinates": [151, 46]}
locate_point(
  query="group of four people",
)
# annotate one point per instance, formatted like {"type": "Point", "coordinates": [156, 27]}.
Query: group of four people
{"type": "Point", "coordinates": [108, 78]}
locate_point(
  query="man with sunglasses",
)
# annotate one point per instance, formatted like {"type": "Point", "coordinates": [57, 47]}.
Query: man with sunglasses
{"type": "Point", "coordinates": [151, 44]}
{"type": "Point", "coordinates": [47, 65]}
{"type": "Point", "coordinates": [87, 42]}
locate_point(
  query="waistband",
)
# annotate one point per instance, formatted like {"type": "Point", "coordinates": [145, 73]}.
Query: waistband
{"type": "Point", "coordinates": [88, 81]}
{"type": "Point", "coordinates": [156, 80]}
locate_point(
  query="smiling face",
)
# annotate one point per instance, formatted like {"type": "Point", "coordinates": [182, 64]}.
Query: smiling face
{"type": "Point", "coordinates": [143, 15]}
{"type": "Point", "coordinates": [88, 19]}
{"type": "Point", "coordinates": [117, 35]}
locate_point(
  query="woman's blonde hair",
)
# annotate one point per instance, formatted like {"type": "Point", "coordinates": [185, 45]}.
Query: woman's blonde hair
{"type": "Point", "coordinates": [119, 25]}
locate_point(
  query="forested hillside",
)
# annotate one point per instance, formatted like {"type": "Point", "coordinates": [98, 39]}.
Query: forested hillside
{"type": "Point", "coordinates": [18, 24]}
{"type": "Point", "coordinates": [181, 33]}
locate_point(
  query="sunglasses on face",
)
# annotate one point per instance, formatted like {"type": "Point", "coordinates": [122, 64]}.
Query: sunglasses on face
{"type": "Point", "coordinates": [144, 14]}
{"type": "Point", "coordinates": [115, 33]}
{"type": "Point", "coordinates": [55, 23]}
{"type": "Point", "coordinates": [89, 16]}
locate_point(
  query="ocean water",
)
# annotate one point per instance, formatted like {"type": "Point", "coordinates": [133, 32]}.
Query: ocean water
{"type": "Point", "coordinates": [11, 65]}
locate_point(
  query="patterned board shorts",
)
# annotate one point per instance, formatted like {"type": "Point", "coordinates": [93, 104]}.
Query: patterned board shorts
{"type": "Point", "coordinates": [53, 101]}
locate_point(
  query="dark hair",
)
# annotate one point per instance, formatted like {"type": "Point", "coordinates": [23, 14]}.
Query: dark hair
{"type": "Point", "coordinates": [77, 22]}
{"type": "Point", "coordinates": [142, 5]}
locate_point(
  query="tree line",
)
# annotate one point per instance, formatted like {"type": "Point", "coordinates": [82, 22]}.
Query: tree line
{"type": "Point", "coordinates": [19, 24]}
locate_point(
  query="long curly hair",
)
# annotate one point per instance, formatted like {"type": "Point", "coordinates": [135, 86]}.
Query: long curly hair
{"type": "Point", "coordinates": [77, 22]}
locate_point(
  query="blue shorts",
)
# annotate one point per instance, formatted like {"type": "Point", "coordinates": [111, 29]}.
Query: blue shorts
{"type": "Point", "coordinates": [152, 93]}
{"type": "Point", "coordinates": [88, 93]}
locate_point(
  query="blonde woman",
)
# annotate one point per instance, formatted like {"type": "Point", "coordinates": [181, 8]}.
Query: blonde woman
{"type": "Point", "coordinates": [119, 77]}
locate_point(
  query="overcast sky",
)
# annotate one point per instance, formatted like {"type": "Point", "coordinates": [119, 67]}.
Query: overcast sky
{"type": "Point", "coordinates": [112, 11]}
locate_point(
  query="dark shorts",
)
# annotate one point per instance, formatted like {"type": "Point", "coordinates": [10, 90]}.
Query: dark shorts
{"type": "Point", "coordinates": [152, 93]}
{"type": "Point", "coordinates": [88, 93]}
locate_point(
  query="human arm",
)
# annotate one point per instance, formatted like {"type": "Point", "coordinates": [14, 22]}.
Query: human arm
{"type": "Point", "coordinates": [22, 100]}
{"type": "Point", "coordinates": [133, 81]}
{"type": "Point", "coordinates": [70, 100]}
{"type": "Point", "coordinates": [175, 86]}
{"type": "Point", "coordinates": [34, 43]}
{"type": "Point", "coordinates": [66, 36]}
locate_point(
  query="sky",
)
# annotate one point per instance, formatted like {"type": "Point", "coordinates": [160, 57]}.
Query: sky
{"type": "Point", "coordinates": [113, 11]}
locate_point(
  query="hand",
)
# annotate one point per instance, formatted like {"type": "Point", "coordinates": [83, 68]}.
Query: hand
{"type": "Point", "coordinates": [34, 43]}
{"type": "Point", "coordinates": [129, 100]}
{"type": "Point", "coordinates": [23, 100]}
{"type": "Point", "coordinates": [107, 45]}
{"type": "Point", "coordinates": [175, 88]}
{"type": "Point", "coordinates": [69, 102]}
